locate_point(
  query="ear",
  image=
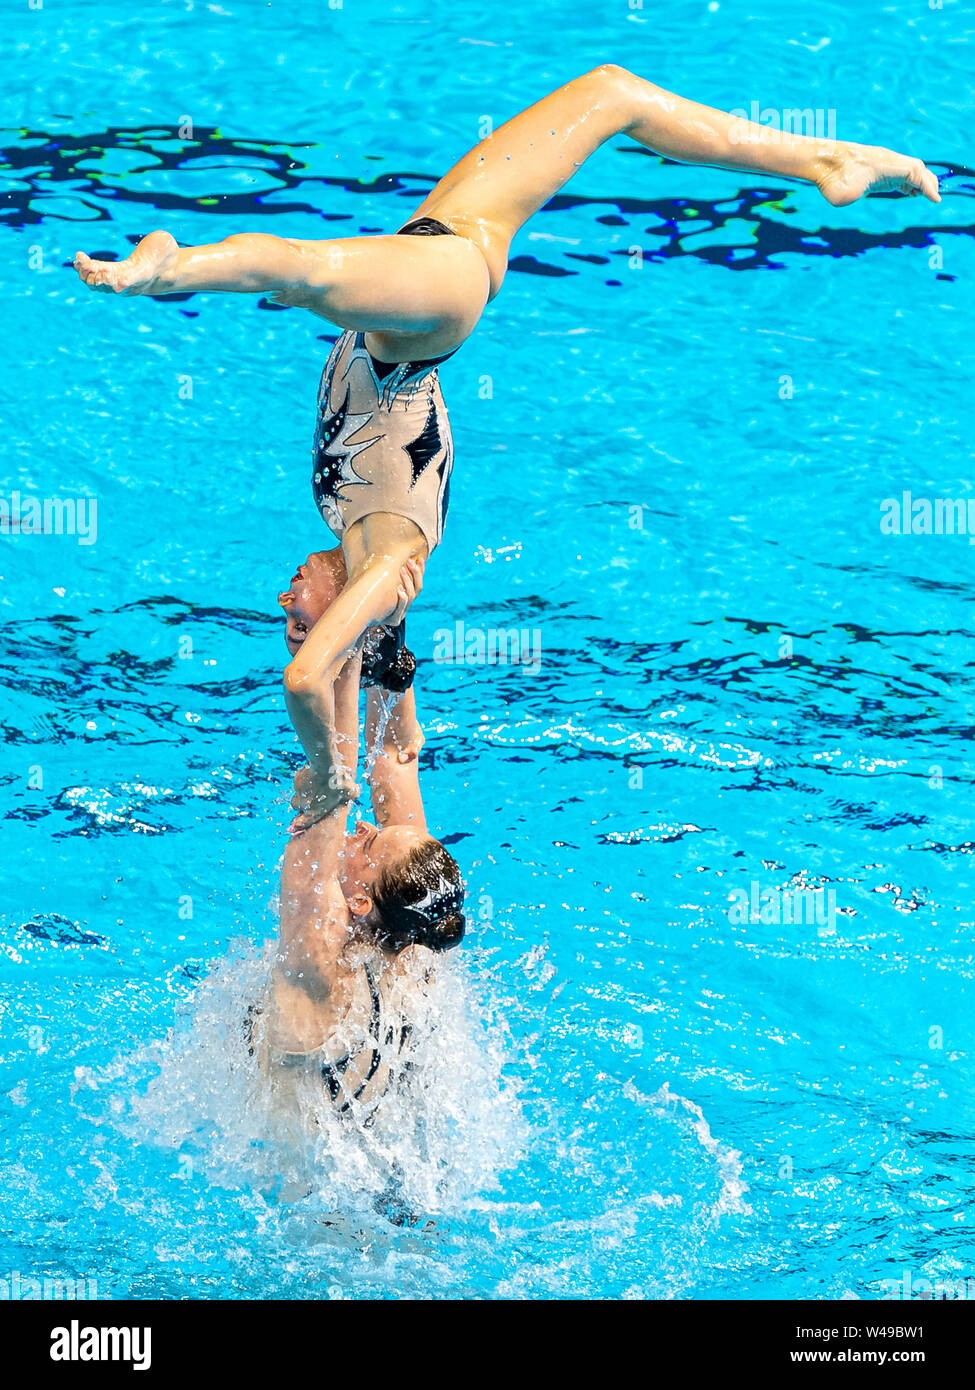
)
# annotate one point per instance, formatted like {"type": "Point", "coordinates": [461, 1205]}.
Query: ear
{"type": "Point", "coordinates": [360, 905]}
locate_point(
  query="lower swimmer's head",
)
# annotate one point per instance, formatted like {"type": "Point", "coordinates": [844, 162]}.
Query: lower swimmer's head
{"type": "Point", "coordinates": [404, 888]}
{"type": "Point", "coordinates": [314, 587]}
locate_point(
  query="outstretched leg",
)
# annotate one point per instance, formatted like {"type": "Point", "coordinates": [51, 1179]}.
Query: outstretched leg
{"type": "Point", "coordinates": [508, 176]}
{"type": "Point", "coordinates": [428, 292]}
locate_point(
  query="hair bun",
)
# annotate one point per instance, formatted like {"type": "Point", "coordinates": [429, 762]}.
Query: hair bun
{"type": "Point", "coordinates": [398, 676]}
{"type": "Point", "coordinates": [386, 660]}
{"type": "Point", "coordinates": [447, 932]}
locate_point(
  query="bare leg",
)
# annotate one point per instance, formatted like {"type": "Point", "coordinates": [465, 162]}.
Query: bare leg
{"type": "Point", "coordinates": [427, 293]}
{"type": "Point", "coordinates": [507, 177]}
{"type": "Point", "coordinates": [430, 291]}
{"type": "Point", "coordinates": [137, 274]}
{"type": "Point", "coordinates": [246, 263]}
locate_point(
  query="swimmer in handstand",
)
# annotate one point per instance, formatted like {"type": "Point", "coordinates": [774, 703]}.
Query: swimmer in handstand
{"type": "Point", "coordinates": [406, 302]}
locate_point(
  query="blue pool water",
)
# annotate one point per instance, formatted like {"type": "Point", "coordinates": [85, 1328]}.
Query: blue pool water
{"type": "Point", "coordinates": [670, 473]}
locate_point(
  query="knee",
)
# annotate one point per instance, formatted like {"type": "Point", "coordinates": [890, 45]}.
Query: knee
{"type": "Point", "coordinates": [611, 75]}
{"type": "Point", "coordinates": [252, 240]}
{"type": "Point", "coordinates": [612, 86]}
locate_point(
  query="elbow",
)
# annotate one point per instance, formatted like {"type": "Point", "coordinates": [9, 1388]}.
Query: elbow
{"type": "Point", "coordinates": [297, 681]}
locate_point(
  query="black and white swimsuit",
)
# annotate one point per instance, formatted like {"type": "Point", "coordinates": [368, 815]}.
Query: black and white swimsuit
{"type": "Point", "coordinates": [383, 443]}
{"type": "Point", "coordinates": [385, 1045]}
{"type": "Point", "coordinates": [362, 1074]}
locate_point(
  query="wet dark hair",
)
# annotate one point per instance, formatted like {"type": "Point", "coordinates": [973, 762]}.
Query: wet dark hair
{"type": "Point", "coordinates": [419, 900]}
{"type": "Point", "coordinates": [386, 659]}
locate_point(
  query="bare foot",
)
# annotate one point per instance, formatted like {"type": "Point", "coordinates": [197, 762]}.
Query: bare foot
{"type": "Point", "coordinates": [858, 169]}
{"type": "Point", "coordinates": [137, 274]}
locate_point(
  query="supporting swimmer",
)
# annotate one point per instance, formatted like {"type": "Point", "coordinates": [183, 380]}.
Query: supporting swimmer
{"type": "Point", "coordinates": [363, 915]}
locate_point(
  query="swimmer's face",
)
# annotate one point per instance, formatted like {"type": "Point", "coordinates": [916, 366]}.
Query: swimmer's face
{"type": "Point", "coordinates": [370, 850]}
{"type": "Point", "coordinates": [314, 586]}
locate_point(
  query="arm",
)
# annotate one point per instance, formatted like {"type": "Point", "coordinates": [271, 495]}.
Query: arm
{"type": "Point", "coordinates": [310, 678]}
{"type": "Point", "coordinates": [313, 915]}
{"type": "Point", "coordinates": [395, 775]}
{"type": "Point", "coordinates": [309, 684]}
{"type": "Point", "coordinates": [313, 911]}
{"type": "Point", "coordinates": [326, 720]}
{"type": "Point", "coordinates": [319, 715]}
{"type": "Point", "coordinates": [380, 593]}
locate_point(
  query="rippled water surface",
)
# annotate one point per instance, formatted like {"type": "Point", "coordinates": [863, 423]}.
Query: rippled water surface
{"type": "Point", "coordinates": [670, 474]}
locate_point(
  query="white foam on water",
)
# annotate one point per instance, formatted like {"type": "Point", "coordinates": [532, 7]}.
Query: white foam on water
{"type": "Point", "coordinates": [405, 1202]}
{"type": "Point", "coordinates": [732, 1189]}
{"type": "Point", "coordinates": [440, 1137]}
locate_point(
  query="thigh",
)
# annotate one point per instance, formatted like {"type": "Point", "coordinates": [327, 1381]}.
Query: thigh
{"type": "Point", "coordinates": [509, 175]}
{"type": "Point", "coordinates": [423, 294]}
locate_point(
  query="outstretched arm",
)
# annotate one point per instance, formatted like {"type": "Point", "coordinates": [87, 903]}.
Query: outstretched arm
{"type": "Point", "coordinates": [311, 689]}
{"type": "Point", "coordinates": [313, 913]}
{"type": "Point", "coordinates": [394, 779]}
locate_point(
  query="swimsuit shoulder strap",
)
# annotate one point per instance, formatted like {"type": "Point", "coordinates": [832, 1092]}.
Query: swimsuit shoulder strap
{"type": "Point", "coordinates": [375, 1019]}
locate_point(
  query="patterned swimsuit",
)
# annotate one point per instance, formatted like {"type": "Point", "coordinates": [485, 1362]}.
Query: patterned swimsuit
{"type": "Point", "coordinates": [383, 440]}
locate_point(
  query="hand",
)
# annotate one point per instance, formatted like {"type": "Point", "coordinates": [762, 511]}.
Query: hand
{"type": "Point", "coordinates": [410, 584]}
{"type": "Point", "coordinates": [315, 798]}
{"type": "Point", "coordinates": [411, 751]}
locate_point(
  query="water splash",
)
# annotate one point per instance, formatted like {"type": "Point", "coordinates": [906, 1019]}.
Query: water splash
{"type": "Point", "coordinates": [437, 1139]}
